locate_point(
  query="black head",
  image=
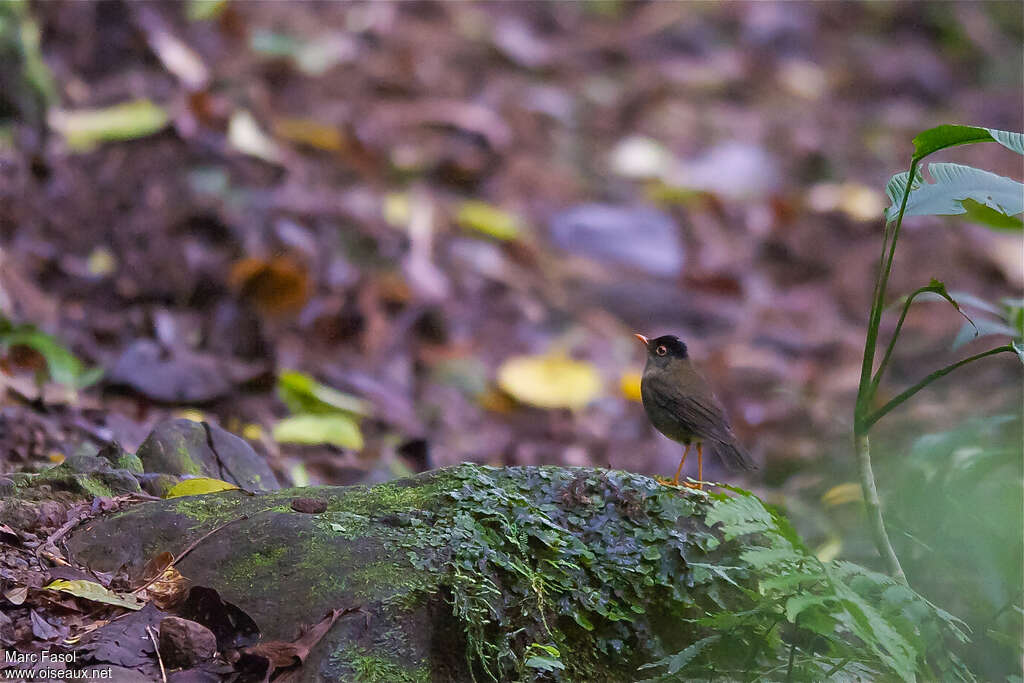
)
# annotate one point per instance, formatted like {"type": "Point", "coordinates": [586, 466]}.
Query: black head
{"type": "Point", "coordinates": [664, 349]}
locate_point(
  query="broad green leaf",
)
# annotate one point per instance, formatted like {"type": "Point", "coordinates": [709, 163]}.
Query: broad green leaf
{"type": "Point", "coordinates": [90, 590]}
{"type": "Point", "coordinates": [490, 220]}
{"type": "Point", "coordinates": [337, 429]}
{"type": "Point", "coordinates": [978, 213]}
{"type": "Point", "coordinates": [64, 367]}
{"type": "Point", "coordinates": [941, 137]}
{"type": "Point", "coordinates": [303, 394]}
{"type": "Point", "coordinates": [198, 487]}
{"type": "Point", "coordinates": [953, 184]}
{"type": "Point", "coordinates": [85, 128]}
{"type": "Point", "coordinates": [550, 381]}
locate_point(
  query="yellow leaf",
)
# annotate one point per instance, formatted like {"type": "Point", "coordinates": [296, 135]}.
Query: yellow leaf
{"type": "Point", "coordinates": [333, 428]}
{"type": "Point", "coordinates": [849, 492]}
{"type": "Point", "coordinates": [85, 128]}
{"type": "Point", "coordinates": [629, 384]}
{"type": "Point", "coordinates": [490, 220]}
{"type": "Point", "coordinates": [310, 133]}
{"type": "Point", "coordinates": [552, 381]}
{"type": "Point", "coordinates": [90, 590]}
{"type": "Point", "coordinates": [252, 431]}
{"type": "Point", "coordinates": [191, 414]}
{"type": "Point", "coordinates": [830, 549]}
{"type": "Point", "coordinates": [199, 486]}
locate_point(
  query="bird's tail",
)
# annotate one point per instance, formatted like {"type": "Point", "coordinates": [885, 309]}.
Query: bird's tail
{"type": "Point", "coordinates": [732, 456]}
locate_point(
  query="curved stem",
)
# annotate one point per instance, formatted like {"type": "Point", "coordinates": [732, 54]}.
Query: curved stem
{"type": "Point", "coordinates": [884, 410]}
{"type": "Point", "coordinates": [874, 509]}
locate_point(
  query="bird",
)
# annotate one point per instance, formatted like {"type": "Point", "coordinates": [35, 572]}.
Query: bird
{"type": "Point", "coordinates": [681, 405]}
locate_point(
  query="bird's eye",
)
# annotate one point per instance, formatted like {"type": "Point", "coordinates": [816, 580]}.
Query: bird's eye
{"type": "Point", "coordinates": [661, 350]}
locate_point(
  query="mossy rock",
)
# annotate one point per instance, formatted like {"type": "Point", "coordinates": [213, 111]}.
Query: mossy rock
{"type": "Point", "coordinates": [184, 447]}
{"type": "Point", "coordinates": [522, 573]}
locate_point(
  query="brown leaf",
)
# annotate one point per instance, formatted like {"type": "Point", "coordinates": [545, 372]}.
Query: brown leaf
{"type": "Point", "coordinates": [278, 285]}
{"type": "Point", "coordinates": [154, 568]}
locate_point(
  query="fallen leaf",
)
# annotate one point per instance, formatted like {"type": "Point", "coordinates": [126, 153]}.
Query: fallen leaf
{"type": "Point", "coordinates": [90, 590]}
{"type": "Point", "coordinates": [310, 133]}
{"type": "Point", "coordinates": [86, 128]}
{"type": "Point", "coordinates": [489, 220]}
{"type": "Point", "coordinates": [551, 381]}
{"type": "Point", "coordinates": [177, 375]}
{"type": "Point", "coordinates": [278, 285]}
{"type": "Point", "coordinates": [16, 595]}
{"type": "Point", "coordinates": [336, 428]}
{"type": "Point", "coordinates": [303, 394]}
{"type": "Point", "coordinates": [849, 492]}
{"type": "Point", "coordinates": [246, 136]}
{"type": "Point", "coordinates": [198, 487]}
{"type": "Point", "coordinates": [155, 567]}
{"type": "Point", "coordinates": [168, 590]}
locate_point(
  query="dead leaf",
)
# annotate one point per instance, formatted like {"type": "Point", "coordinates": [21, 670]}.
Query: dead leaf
{"type": "Point", "coordinates": [278, 285]}
{"type": "Point", "coordinates": [156, 565]}
{"type": "Point", "coordinates": [16, 595]}
{"type": "Point", "coordinates": [310, 133]}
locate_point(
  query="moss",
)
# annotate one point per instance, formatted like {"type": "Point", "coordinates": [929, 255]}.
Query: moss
{"type": "Point", "coordinates": [130, 462]}
{"type": "Point", "coordinates": [389, 498]}
{"type": "Point", "coordinates": [249, 569]}
{"type": "Point", "coordinates": [210, 508]}
{"type": "Point", "coordinates": [368, 668]}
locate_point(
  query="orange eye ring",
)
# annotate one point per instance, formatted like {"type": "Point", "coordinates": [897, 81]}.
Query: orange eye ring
{"type": "Point", "coordinates": [661, 350]}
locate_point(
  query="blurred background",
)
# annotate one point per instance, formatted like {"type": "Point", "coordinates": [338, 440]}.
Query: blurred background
{"type": "Point", "coordinates": [379, 238]}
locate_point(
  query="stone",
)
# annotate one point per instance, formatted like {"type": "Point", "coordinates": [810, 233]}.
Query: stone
{"type": "Point", "coordinates": [181, 447]}
{"type": "Point", "coordinates": [184, 643]}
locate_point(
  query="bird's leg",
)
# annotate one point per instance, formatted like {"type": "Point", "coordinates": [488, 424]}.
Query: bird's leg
{"type": "Point", "coordinates": [686, 451]}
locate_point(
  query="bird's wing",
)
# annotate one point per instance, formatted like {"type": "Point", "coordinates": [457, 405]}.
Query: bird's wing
{"type": "Point", "coordinates": [694, 405]}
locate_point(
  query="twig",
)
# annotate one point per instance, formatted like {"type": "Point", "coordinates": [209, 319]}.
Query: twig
{"type": "Point", "coordinates": [156, 648]}
{"type": "Point", "coordinates": [199, 540]}
{"type": "Point", "coordinates": [82, 513]}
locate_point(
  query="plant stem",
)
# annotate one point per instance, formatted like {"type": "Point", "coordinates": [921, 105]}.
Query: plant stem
{"type": "Point", "coordinates": [884, 410]}
{"type": "Point", "coordinates": [865, 392]}
{"type": "Point", "coordinates": [874, 509]}
{"type": "Point", "coordinates": [892, 342]}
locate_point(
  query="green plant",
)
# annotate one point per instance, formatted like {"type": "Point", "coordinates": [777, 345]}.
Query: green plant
{"type": "Point", "coordinates": [958, 190]}
{"type": "Point", "coordinates": [801, 619]}
{"type": "Point", "coordinates": [62, 366]}
{"type": "Point", "coordinates": [957, 525]}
